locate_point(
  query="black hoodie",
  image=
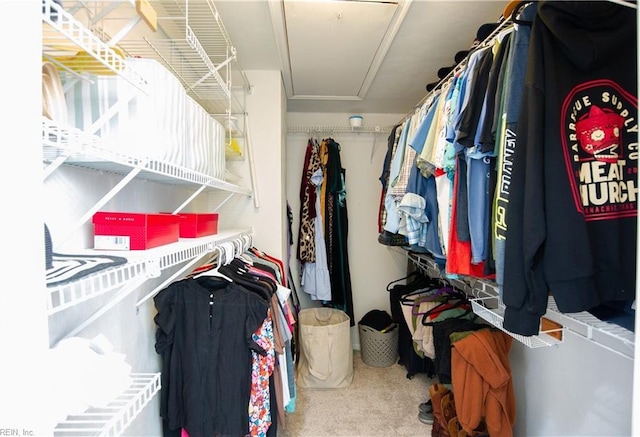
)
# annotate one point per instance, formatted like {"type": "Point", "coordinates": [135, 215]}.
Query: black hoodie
{"type": "Point", "coordinates": [573, 203]}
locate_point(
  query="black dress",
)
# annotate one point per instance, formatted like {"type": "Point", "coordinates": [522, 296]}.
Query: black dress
{"type": "Point", "coordinates": [336, 232]}
{"type": "Point", "coordinates": [204, 329]}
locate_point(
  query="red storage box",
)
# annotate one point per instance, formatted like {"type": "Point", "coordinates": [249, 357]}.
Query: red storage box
{"type": "Point", "coordinates": [134, 231]}
{"type": "Point", "coordinates": [194, 225]}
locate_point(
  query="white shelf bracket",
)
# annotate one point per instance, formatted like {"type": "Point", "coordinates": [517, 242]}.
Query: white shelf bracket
{"type": "Point", "coordinates": [54, 165]}
{"type": "Point", "coordinates": [217, 208]}
{"type": "Point", "coordinates": [115, 190]}
{"type": "Point", "coordinates": [124, 292]}
{"type": "Point", "coordinates": [125, 30]}
{"type": "Point", "coordinates": [193, 196]}
{"type": "Point", "coordinates": [153, 268]}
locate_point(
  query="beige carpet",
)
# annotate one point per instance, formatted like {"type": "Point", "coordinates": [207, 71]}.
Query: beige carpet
{"type": "Point", "coordinates": [379, 402]}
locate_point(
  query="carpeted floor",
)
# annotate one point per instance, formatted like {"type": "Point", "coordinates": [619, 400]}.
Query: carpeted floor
{"type": "Point", "coordinates": [379, 402]}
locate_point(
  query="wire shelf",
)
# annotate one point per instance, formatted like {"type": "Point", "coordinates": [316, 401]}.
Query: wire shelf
{"type": "Point", "coordinates": [71, 146]}
{"type": "Point", "coordinates": [427, 265]}
{"type": "Point", "coordinates": [70, 43]}
{"type": "Point", "coordinates": [70, 294]}
{"type": "Point", "coordinates": [311, 129]}
{"type": "Point", "coordinates": [608, 335]}
{"type": "Point", "coordinates": [486, 303]}
{"type": "Point", "coordinates": [140, 265]}
{"type": "Point", "coordinates": [114, 419]}
{"type": "Point", "coordinates": [194, 45]}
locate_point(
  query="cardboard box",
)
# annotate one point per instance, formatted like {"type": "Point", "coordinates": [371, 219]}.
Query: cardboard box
{"type": "Point", "coordinates": [134, 231]}
{"type": "Point", "coordinates": [194, 225]}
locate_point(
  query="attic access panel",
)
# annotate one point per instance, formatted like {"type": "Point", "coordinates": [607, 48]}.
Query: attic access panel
{"type": "Point", "coordinates": [336, 47]}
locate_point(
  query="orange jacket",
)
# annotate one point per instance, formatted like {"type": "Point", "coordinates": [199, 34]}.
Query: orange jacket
{"type": "Point", "coordinates": [481, 379]}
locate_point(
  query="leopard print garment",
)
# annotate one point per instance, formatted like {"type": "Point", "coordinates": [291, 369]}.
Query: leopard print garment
{"type": "Point", "coordinates": [306, 251]}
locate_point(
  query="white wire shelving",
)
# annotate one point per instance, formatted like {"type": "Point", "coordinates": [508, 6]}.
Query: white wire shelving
{"type": "Point", "coordinates": [140, 266]}
{"type": "Point", "coordinates": [67, 42]}
{"type": "Point", "coordinates": [83, 49]}
{"type": "Point", "coordinates": [427, 265]}
{"type": "Point", "coordinates": [194, 45]}
{"type": "Point", "coordinates": [113, 419]}
{"type": "Point", "coordinates": [61, 297]}
{"type": "Point", "coordinates": [313, 129]}
{"type": "Point", "coordinates": [607, 335]}
{"type": "Point", "coordinates": [68, 145]}
{"type": "Point", "coordinates": [486, 303]}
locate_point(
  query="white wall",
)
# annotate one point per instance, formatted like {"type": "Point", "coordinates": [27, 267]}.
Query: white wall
{"type": "Point", "coordinates": [372, 264]}
{"type": "Point", "coordinates": [23, 322]}
{"type": "Point", "coordinates": [575, 389]}
{"type": "Point", "coordinates": [264, 107]}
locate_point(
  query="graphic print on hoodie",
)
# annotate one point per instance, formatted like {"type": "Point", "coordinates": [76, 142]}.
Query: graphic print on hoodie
{"type": "Point", "coordinates": [599, 135]}
{"type": "Point", "coordinates": [572, 216]}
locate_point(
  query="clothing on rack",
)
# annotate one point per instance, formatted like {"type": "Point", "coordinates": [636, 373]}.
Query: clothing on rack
{"type": "Point", "coordinates": [572, 216]}
{"type": "Point", "coordinates": [222, 337]}
{"type": "Point", "coordinates": [337, 230]}
{"type": "Point", "coordinates": [482, 383]}
{"type": "Point", "coordinates": [204, 338]}
{"type": "Point", "coordinates": [401, 294]}
{"type": "Point", "coordinates": [306, 251]}
{"type": "Point", "coordinates": [322, 240]}
{"type": "Point", "coordinates": [556, 214]}
{"type": "Point", "coordinates": [507, 132]}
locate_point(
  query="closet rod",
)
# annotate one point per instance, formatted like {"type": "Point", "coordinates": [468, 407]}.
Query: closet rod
{"type": "Point", "coordinates": [172, 278]}
{"type": "Point", "coordinates": [216, 246]}
{"type": "Point", "coordinates": [506, 22]}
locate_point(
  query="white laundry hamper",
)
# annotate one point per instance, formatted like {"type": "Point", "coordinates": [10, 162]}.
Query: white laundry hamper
{"type": "Point", "coordinates": [326, 353]}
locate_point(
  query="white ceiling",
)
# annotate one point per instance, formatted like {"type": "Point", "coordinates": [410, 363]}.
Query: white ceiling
{"type": "Point", "coordinates": [353, 56]}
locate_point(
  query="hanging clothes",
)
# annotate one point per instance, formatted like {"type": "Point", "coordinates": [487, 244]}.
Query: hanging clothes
{"type": "Point", "coordinates": [482, 382]}
{"type": "Point", "coordinates": [325, 273]}
{"type": "Point", "coordinates": [337, 229]}
{"type": "Point", "coordinates": [306, 233]}
{"type": "Point", "coordinates": [572, 217]}
{"type": "Point", "coordinates": [222, 337]}
{"type": "Point", "coordinates": [204, 336]}
{"type": "Point", "coordinates": [507, 132]}
{"type": "Point", "coordinates": [315, 275]}
{"type": "Point", "coordinates": [392, 143]}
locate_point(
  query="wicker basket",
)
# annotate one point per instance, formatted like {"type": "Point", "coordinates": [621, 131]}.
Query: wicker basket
{"type": "Point", "coordinates": [378, 349]}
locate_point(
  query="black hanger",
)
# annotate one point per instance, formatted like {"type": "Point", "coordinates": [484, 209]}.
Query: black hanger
{"type": "Point", "coordinates": [427, 290]}
{"type": "Point", "coordinates": [411, 275]}
{"type": "Point", "coordinates": [456, 304]}
{"type": "Point", "coordinates": [212, 283]}
{"type": "Point", "coordinates": [516, 11]}
{"type": "Point", "coordinates": [250, 282]}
